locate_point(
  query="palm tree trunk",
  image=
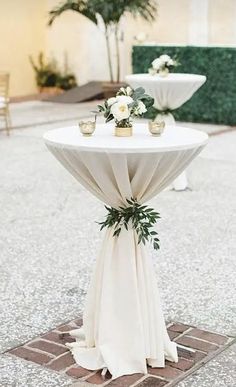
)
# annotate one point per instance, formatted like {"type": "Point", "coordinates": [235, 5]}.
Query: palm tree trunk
{"type": "Point", "coordinates": [117, 53]}
{"type": "Point", "coordinates": [109, 55]}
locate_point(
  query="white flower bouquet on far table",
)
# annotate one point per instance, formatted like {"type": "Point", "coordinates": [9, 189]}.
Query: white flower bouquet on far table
{"type": "Point", "coordinates": [162, 65]}
{"type": "Point", "coordinates": [127, 104]}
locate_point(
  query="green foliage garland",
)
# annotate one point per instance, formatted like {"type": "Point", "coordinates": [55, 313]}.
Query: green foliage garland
{"type": "Point", "coordinates": [141, 217]}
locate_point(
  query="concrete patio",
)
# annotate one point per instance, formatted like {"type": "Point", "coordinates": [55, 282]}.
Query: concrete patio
{"type": "Point", "coordinates": [46, 258]}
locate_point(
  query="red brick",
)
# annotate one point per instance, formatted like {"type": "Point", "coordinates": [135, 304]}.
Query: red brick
{"type": "Point", "coordinates": [126, 380]}
{"type": "Point", "coordinates": [192, 356]}
{"type": "Point", "coordinates": [29, 355]}
{"type": "Point", "coordinates": [208, 336]}
{"type": "Point", "coordinates": [78, 372]}
{"type": "Point", "coordinates": [199, 356]}
{"type": "Point", "coordinates": [62, 362]}
{"type": "Point", "coordinates": [180, 328]}
{"type": "Point", "coordinates": [78, 322]}
{"type": "Point", "coordinates": [152, 382]}
{"type": "Point", "coordinates": [173, 335]}
{"type": "Point", "coordinates": [183, 364]}
{"type": "Point", "coordinates": [197, 344]}
{"type": "Point", "coordinates": [58, 338]}
{"type": "Point", "coordinates": [182, 352]}
{"type": "Point", "coordinates": [65, 328]}
{"type": "Point", "coordinates": [97, 378]}
{"type": "Point", "coordinates": [52, 348]}
{"type": "Point", "coordinates": [167, 372]}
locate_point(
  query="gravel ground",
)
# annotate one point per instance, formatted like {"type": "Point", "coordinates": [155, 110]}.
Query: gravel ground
{"type": "Point", "coordinates": [46, 258]}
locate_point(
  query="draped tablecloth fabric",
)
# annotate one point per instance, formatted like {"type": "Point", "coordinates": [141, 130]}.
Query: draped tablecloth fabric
{"type": "Point", "coordinates": [123, 325]}
{"type": "Point", "coordinates": [169, 92]}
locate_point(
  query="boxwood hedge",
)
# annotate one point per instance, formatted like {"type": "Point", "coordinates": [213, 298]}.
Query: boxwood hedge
{"type": "Point", "coordinates": [215, 101]}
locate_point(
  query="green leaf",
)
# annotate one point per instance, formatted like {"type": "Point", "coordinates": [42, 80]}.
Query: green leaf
{"type": "Point", "coordinates": [141, 219]}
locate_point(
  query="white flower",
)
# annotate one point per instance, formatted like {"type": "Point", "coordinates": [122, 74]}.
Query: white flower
{"type": "Point", "coordinates": [129, 91]}
{"type": "Point", "coordinates": [124, 98]}
{"type": "Point", "coordinates": [170, 62]}
{"type": "Point", "coordinates": [111, 100]}
{"type": "Point", "coordinates": [120, 111]}
{"type": "Point", "coordinates": [152, 71]}
{"type": "Point", "coordinates": [157, 63]}
{"type": "Point", "coordinates": [165, 58]}
{"type": "Point", "coordinates": [141, 107]}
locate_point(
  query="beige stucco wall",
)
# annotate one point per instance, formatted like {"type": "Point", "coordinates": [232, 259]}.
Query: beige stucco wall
{"type": "Point", "coordinates": [22, 34]}
{"type": "Point", "coordinates": [23, 26]}
{"type": "Point", "coordinates": [222, 22]}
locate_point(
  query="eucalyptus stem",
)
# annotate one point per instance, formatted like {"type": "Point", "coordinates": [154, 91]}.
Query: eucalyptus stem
{"type": "Point", "coordinates": [140, 217]}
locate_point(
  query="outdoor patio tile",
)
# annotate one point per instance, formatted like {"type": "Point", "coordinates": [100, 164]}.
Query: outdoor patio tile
{"type": "Point", "coordinates": [50, 351]}
{"type": "Point", "coordinates": [62, 362]}
{"type": "Point", "coordinates": [57, 338]}
{"type": "Point", "coordinates": [65, 328]}
{"type": "Point", "coordinates": [197, 344]}
{"type": "Point", "coordinates": [78, 372]}
{"type": "Point", "coordinates": [173, 335]}
{"type": "Point", "coordinates": [180, 328]}
{"type": "Point", "coordinates": [183, 364]}
{"type": "Point", "coordinates": [208, 336]}
{"type": "Point", "coordinates": [152, 382]}
{"type": "Point", "coordinates": [126, 380]}
{"type": "Point", "coordinates": [52, 348]}
{"type": "Point", "coordinates": [31, 355]}
{"type": "Point", "coordinates": [97, 378]}
{"type": "Point", "coordinates": [168, 372]}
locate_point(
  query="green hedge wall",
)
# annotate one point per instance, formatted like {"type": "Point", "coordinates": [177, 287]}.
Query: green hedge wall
{"type": "Point", "coordinates": [215, 101]}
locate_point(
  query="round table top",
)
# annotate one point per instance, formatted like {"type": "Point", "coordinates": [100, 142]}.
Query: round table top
{"type": "Point", "coordinates": [171, 78]}
{"type": "Point", "coordinates": [174, 138]}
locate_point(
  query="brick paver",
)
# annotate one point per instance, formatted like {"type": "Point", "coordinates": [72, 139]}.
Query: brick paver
{"type": "Point", "coordinates": [50, 351]}
{"type": "Point", "coordinates": [48, 347]}
{"type": "Point", "coordinates": [152, 382]}
{"type": "Point", "coordinates": [33, 356]}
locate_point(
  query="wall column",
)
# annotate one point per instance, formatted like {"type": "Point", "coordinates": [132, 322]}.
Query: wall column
{"type": "Point", "coordinates": [198, 22]}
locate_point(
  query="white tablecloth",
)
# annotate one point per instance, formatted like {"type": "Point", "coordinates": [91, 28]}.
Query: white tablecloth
{"type": "Point", "coordinates": [168, 92]}
{"type": "Point", "coordinates": [123, 325]}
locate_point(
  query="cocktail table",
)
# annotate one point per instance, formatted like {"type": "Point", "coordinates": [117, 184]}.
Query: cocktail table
{"type": "Point", "coordinates": [123, 324]}
{"type": "Point", "coordinates": [169, 93]}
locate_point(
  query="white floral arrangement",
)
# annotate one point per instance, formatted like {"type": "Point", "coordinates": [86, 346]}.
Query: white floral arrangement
{"type": "Point", "coordinates": [127, 104]}
{"type": "Point", "coordinates": [162, 64]}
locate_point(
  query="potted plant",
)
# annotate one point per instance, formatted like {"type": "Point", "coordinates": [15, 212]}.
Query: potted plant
{"type": "Point", "coordinates": [127, 104]}
{"type": "Point", "coordinates": [49, 79]}
{"type": "Point", "coordinates": [111, 13]}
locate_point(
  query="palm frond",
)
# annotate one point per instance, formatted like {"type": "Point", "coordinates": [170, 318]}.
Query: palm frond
{"type": "Point", "coordinates": [81, 6]}
{"type": "Point", "coordinates": [147, 9]}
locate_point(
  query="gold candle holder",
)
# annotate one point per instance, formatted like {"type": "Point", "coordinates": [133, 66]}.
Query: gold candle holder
{"type": "Point", "coordinates": [87, 127]}
{"type": "Point", "coordinates": [123, 132]}
{"type": "Point", "coordinates": [156, 128]}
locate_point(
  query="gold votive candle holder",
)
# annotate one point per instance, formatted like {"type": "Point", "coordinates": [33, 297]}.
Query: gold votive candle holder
{"type": "Point", "coordinates": [156, 128]}
{"type": "Point", "coordinates": [87, 128]}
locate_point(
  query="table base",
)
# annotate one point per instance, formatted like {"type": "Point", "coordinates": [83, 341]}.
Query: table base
{"type": "Point", "coordinates": [181, 182]}
{"type": "Point", "coordinates": [124, 328]}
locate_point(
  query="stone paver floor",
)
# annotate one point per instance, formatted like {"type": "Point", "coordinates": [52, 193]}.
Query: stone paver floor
{"type": "Point", "coordinates": [197, 347]}
{"type": "Point", "coordinates": [46, 259]}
